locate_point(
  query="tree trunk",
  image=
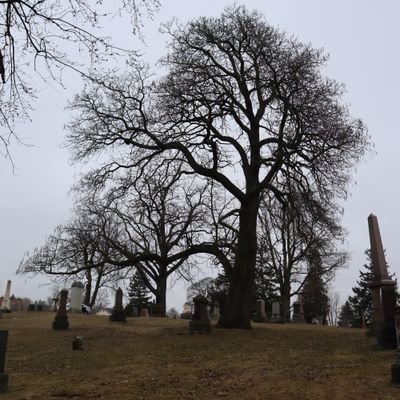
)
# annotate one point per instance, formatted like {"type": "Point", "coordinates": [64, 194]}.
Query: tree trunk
{"type": "Point", "coordinates": [161, 295]}
{"type": "Point", "coordinates": [95, 291]}
{"type": "Point", "coordinates": [88, 287]}
{"type": "Point", "coordinates": [285, 303]}
{"type": "Point", "coordinates": [239, 298]}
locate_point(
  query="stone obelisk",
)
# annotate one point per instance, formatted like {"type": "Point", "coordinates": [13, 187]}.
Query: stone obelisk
{"type": "Point", "coordinates": [6, 301]}
{"type": "Point", "coordinates": [383, 291]}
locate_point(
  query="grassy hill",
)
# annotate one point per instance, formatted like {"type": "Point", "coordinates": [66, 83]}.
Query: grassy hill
{"type": "Point", "coordinates": [153, 358]}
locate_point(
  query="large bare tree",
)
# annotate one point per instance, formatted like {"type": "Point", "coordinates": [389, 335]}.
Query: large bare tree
{"type": "Point", "coordinates": [242, 104]}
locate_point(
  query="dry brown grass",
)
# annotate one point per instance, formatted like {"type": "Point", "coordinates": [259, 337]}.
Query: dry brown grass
{"type": "Point", "coordinates": [152, 358]}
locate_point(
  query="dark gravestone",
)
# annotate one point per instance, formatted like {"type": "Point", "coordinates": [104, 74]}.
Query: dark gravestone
{"type": "Point", "coordinates": [200, 321]}
{"type": "Point", "coordinates": [60, 322]}
{"type": "Point", "coordinates": [77, 343]}
{"type": "Point", "coordinates": [383, 291]}
{"type": "Point", "coordinates": [118, 314]}
{"type": "Point", "coordinates": [32, 307]}
{"type": "Point", "coordinates": [3, 349]}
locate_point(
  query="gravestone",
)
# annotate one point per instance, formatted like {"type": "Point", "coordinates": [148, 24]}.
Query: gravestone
{"type": "Point", "coordinates": [60, 322]}
{"type": "Point", "coordinates": [187, 311]}
{"type": "Point", "coordinates": [3, 349]}
{"type": "Point", "coordinates": [32, 307]}
{"type": "Point", "coordinates": [118, 314]}
{"type": "Point", "coordinates": [5, 305]}
{"type": "Point", "coordinates": [200, 321]}
{"type": "Point", "coordinates": [214, 311]}
{"type": "Point", "coordinates": [135, 311]}
{"type": "Point", "coordinates": [276, 312]}
{"type": "Point", "coordinates": [144, 312]}
{"type": "Point", "coordinates": [77, 343]}
{"type": "Point", "coordinates": [383, 291]}
{"type": "Point", "coordinates": [260, 315]}
{"type": "Point", "coordinates": [298, 313]}
{"type": "Point", "coordinates": [77, 289]}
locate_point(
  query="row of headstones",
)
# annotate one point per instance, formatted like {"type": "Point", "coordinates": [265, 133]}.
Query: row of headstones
{"type": "Point", "coordinates": [61, 319]}
{"type": "Point", "coordinates": [261, 315]}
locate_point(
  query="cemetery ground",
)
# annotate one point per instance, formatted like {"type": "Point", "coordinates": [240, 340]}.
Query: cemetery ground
{"type": "Point", "coordinates": [155, 358]}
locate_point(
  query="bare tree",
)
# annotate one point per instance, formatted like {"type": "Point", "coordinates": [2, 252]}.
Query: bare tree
{"type": "Point", "coordinates": [48, 36]}
{"type": "Point", "coordinates": [242, 104]}
{"type": "Point", "coordinates": [334, 307]}
{"type": "Point", "coordinates": [161, 225]}
{"type": "Point", "coordinates": [75, 251]}
{"type": "Point", "coordinates": [289, 232]}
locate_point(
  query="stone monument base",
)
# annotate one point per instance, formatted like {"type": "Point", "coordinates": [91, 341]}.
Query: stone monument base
{"type": "Point", "coordinates": [3, 383]}
{"type": "Point", "coordinates": [118, 317]}
{"type": "Point", "coordinates": [61, 323]}
{"type": "Point", "coordinates": [385, 334]}
{"type": "Point", "coordinates": [199, 326]}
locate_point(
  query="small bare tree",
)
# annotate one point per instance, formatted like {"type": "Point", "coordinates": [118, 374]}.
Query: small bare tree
{"type": "Point", "coordinates": [75, 251]}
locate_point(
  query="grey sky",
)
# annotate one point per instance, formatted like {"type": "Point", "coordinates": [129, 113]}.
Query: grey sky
{"type": "Point", "coordinates": [362, 38]}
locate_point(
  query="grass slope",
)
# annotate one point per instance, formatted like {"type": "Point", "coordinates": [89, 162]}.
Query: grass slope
{"type": "Point", "coordinates": [152, 358]}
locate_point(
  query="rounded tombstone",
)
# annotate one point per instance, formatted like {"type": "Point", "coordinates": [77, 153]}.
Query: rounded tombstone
{"type": "Point", "coordinates": [77, 289]}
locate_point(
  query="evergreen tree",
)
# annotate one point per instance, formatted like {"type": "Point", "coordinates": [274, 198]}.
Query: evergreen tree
{"type": "Point", "coordinates": [346, 316]}
{"type": "Point", "coordinates": [315, 296]}
{"type": "Point", "coordinates": [139, 294]}
{"type": "Point", "coordinates": [361, 301]}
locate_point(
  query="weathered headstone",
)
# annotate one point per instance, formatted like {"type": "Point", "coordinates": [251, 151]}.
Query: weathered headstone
{"type": "Point", "coordinates": [60, 322]}
{"type": "Point", "coordinates": [200, 321]}
{"type": "Point", "coordinates": [214, 311]}
{"type": "Point", "coordinates": [3, 349]}
{"type": "Point", "coordinates": [260, 315]}
{"type": "Point", "coordinates": [118, 314]}
{"type": "Point", "coordinates": [5, 305]}
{"type": "Point", "coordinates": [144, 312]}
{"type": "Point", "coordinates": [383, 291]}
{"type": "Point", "coordinates": [76, 296]}
{"type": "Point", "coordinates": [77, 343]}
{"type": "Point", "coordinates": [298, 313]}
{"type": "Point", "coordinates": [276, 312]}
{"type": "Point", "coordinates": [187, 311]}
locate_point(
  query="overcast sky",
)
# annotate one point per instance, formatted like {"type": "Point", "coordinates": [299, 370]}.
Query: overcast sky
{"type": "Point", "coordinates": [362, 39]}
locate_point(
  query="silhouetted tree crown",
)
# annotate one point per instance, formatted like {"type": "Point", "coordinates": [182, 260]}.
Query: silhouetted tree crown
{"type": "Point", "coordinates": [241, 104]}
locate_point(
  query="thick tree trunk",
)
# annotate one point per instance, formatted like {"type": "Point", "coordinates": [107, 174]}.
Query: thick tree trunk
{"type": "Point", "coordinates": [88, 288]}
{"type": "Point", "coordinates": [285, 304]}
{"type": "Point", "coordinates": [238, 302]}
{"type": "Point", "coordinates": [95, 291]}
{"type": "Point", "coordinates": [161, 296]}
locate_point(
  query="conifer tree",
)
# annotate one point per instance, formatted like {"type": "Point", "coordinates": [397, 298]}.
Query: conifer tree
{"type": "Point", "coordinates": [139, 294]}
{"type": "Point", "coordinates": [361, 301]}
{"type": "Point", "coordinates": [346, 316]}
{"type": "Point", "coordinates": [315, 296]}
